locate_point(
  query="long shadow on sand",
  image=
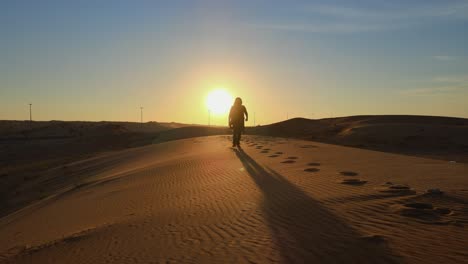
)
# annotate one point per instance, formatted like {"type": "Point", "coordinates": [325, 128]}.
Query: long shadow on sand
{"type": "Point", "coordinates": [304, 231]}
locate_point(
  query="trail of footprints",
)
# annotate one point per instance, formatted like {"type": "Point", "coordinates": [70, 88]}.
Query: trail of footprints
{"type": "Point", "coordinates": [287, 160]}
{"type": "Point", "coordinates": [349, 177]}
{"type": "Point", "coordinates": [420, 207]}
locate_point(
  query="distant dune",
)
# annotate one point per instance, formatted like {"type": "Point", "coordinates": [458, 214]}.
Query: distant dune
{"type": "Point", "coordinates": [428, 136]}
{"type": "Point", "coordinates": [28, 149]}
{"type": "Point", "coordinates": [63, 129]}
{"type": "Point", "coordinates": [25, 143]}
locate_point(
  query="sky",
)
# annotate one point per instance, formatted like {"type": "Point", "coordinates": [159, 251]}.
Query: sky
{"type": "Point", "coordinates": [103, 60]}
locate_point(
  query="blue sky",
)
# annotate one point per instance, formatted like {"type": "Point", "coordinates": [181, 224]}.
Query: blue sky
{"type": "Point", "coordinates": [102, 60]}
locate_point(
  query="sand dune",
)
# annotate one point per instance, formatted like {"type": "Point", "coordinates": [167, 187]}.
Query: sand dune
{"type": "Point", "coordinates": [280, 200]}
{"type": "Point", "coordinates": [29, 149]}
{"type": "Point", "coordinates": [35, 129]}
{"type": "Point", "coordinates": [425, 136]}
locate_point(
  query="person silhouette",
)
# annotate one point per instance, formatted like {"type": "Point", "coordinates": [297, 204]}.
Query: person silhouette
{"type": "Point", "coordinates": [236, 121]}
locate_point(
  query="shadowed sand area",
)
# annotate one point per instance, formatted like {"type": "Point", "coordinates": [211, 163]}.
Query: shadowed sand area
{"type": "Point", "coordinates": [200, 201]}
{"type": "Point", "coordinates": [299, 224]}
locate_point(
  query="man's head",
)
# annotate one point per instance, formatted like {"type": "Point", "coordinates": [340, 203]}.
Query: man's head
{"type": "Point", "coordinates": [238, 101]}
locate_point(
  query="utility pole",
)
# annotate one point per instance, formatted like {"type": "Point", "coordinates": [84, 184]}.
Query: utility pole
{"type": "Point", "coordinates": [254, 118]}
{"type": "Point", "coordinates": [30, 112]}
{"type": "Point", "coordinates": [141, 114]}
{"type": "Point", "coordinates": [287, 115]}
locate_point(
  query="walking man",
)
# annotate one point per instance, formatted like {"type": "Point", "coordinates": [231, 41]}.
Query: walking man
{"type": "Point", "coordinates": [236, 121]}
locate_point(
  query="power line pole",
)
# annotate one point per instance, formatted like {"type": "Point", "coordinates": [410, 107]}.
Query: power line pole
{"type": "Point", "coordinates": [30, 112]}
{"type": "Point", "coordinates": [141, 114]}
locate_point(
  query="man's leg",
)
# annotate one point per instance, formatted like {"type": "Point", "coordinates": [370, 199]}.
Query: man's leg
{"type": "Point", "coordinates": [234, 137]}
{"type": "Point", "coordinates": [237, 133]}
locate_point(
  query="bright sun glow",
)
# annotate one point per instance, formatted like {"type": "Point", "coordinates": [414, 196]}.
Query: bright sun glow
{"type": "Point", "coordinates": [219, 101]}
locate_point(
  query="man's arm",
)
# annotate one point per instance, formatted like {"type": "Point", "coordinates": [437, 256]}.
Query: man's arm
{"type": "Point", "coordinates": [246, 114]}
{"type": "Point", "coordinates": [229, 118]}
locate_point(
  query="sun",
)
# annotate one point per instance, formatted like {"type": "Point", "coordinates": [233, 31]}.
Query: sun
{"type": "Point", "coordinates": [219, 101]}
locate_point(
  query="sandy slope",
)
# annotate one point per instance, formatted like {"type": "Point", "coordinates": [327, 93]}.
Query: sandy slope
{"type": "Point", "coordinates": [424, 136]}
{"type": "Point", "coordinates": [29, 149]}
{"type": "Point", "coordinates": [198, 200]}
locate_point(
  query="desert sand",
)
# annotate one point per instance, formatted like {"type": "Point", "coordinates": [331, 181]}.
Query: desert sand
{"type": "Point", "coordinates": [198, 200]}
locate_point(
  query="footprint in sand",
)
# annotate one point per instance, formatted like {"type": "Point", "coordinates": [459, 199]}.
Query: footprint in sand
{"type": "Point", "coordinates": [292, 158]}
{"type": "Point", "coordinates": [353, 182]}
{"type": "Point", "coordinates": [311, 170]}
{"type": "Point", "coordinates": [288, 161]}
{"type": "Point", "coordinates": [309, 146]}
{"type": "Point", "coordinates": [419, 205]}
{"type": "Point", "coordinates": [315, 164]}
{"type": "Point", "coordinates": [259, 147]}
{"type": "Point", "coordinates": [349, 173]}
{"type": "Point", "coordinates": [273, 156]}
{"type": "Point", "coordinates": [264, 151]}
{"type": "Point", "coordinates": [423, 211]}
{"type": "Point", "coordinates": [374, 239]}
{"type": "Point", "coordinates": [429, 208]}
{"type": "Point", "coordinates": [434, 192]}
{"type": "Point", "coordinates": [396, 189]}
{"type": "Point", "coordinates": [278, 153]}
